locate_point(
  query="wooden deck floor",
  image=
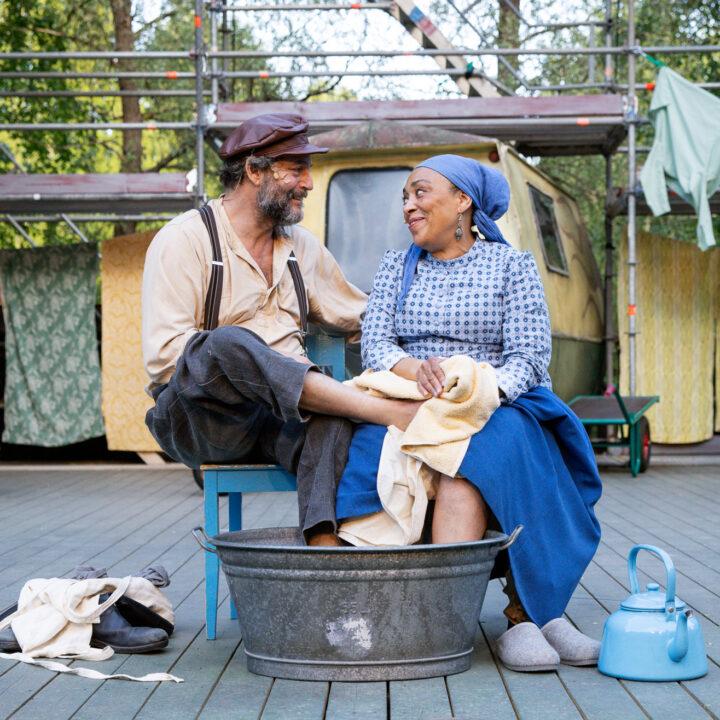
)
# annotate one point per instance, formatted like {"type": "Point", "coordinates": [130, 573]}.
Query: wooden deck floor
{"type": "Point", "coordinates": [126, 519]}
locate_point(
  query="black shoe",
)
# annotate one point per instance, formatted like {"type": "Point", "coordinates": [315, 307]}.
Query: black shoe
{"type": "Point", "coordinates": [8, 641]}
{"type": "Point", "coordinates": [114, 630]}
{"type": "Point", "coordinates": [140, 615]}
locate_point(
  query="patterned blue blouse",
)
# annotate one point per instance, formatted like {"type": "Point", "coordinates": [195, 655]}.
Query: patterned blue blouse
{"type": "Point", "coordinates": [488, 303]}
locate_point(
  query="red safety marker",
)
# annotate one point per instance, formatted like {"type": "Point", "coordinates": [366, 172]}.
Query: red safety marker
{"type": "Point", "coordinates": [649, 86]}
{"type": "Point", "coordinates": [151, 127]}
{"type": "Point", "coordinates": [198, 21]}
{"type": "Point", "coordinates": [631, 310]}
{"type": "Point", "coordinates": [171, 74]}
{"type": "Point", "coordinates": [355, 6]}
{"type": "Point", "coordinates": [264, 74]}
{"type": "Point", "coordinates": [583, 121]}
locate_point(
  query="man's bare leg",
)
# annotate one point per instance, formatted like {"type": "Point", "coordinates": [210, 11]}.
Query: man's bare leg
{"type": "Point", "coordinates": [322, 394]}
{"type": "Point", "coordinates": [461, 514]}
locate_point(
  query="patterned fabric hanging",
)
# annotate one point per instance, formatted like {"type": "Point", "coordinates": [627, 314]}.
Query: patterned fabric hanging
{"type": "Point", "coordinates": [52, 374]}
{"type": "Point", "coordinates": [125, 401]}
{"type": "Point", "coordinates": [678, 308]}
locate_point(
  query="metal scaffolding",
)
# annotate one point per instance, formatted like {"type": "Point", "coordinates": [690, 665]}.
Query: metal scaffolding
{"type": "Point", "coordinates": [208, 70]}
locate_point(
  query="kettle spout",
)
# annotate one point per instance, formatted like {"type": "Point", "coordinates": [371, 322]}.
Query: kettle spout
{"type": "Point", "coordinates": [678, 646]}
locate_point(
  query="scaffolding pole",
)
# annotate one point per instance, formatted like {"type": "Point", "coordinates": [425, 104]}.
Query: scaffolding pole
{"type": "Point", "coordinates": [255, 54]}
{"type": "Point", "coordinates": [610, 331]}
{"type": "Point", "coordinates": [200, 117]}
{"type": "Point", "coordinates": [474, 122]}
{"type": "Point", "coordinates": [113, 218]}
{"type": "Point", "coordinates": [632, 181]}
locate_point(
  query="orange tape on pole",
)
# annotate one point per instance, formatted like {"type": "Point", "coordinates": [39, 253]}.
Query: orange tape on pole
{"type": "Point", "coordinates": [151, 127]}
{"type": "Point", "coordinates": [631, 310]}
{"type": "Point", "coordinates": [355, 6]}
{"type": "Point", "coordinates": [198, 21]}
{"type": "Point", "coordinates": [583, 121]}
{"type": "Point", "coordinates": [649, 86]}
{"type": "Point", "coordinates": [171, 74]}
{"type": "Point", "coordinates": [264, 74]}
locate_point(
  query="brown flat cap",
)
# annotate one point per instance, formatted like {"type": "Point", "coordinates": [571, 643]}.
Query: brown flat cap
{"type": "Point", "coordinates": [271, 135]}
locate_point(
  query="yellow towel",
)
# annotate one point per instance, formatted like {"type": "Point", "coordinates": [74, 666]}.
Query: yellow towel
{"type": "Point", "coordinates": [435, 441]}
{"type": "Point", "coordinates": [440, 432]}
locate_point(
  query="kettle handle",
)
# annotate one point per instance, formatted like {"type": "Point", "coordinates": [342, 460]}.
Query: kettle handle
{"type": "Point", "coordinates": [669, 569]}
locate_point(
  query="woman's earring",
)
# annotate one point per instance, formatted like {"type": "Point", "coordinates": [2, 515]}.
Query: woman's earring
{"type": "Point", "coordinates": [459, 231]}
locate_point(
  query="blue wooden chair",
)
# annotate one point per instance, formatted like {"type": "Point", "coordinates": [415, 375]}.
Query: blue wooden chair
{"type": "Point", "coordinates": [237, 479]}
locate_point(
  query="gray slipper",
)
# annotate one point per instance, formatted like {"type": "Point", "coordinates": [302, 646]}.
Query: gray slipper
{"type": "Point", "coordinates": [523, 648]}
{"type": "Point", "coordinates": [571, 645]}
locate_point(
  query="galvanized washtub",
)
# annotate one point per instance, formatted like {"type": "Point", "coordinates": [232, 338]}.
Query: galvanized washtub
{"type": "Point", "coordinates": [352, 614]}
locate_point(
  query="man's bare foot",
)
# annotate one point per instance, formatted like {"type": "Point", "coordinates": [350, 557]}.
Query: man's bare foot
{"type": "Point", "coordinates": [403, 414]}
{"type": "Point", "coordinates": [325, 539]}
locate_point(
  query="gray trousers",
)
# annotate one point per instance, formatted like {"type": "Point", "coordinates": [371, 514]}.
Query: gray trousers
{"type": "Point", "coordinates": [232, 398]}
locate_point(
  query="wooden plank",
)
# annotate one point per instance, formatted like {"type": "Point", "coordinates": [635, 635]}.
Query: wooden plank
{"type": "Point", "coordinates": [665, 700]}
{"type": "Point", "coordinates": [127, 698]}
{"type": "Point", "coordinates": [239, 694]}
{"type": "Point", "coordinates": [357, 701]}
{"type": "Point", "coordinates": [202, 663]}
{"type": "Point", "coordinates": [97, 549]}
{"type": "Point", "coordinates": [52, 517]}
{"type": "Point", "coordinates": [419, 699]}
{"type": "Point", "coordinates": [296, 700]}
{"type": "Point", "coordinates": [534, 695]}
{"type": "Point", "coordinates": [473, 692]}
{"type": "Point", "coordinates": [600, 697]}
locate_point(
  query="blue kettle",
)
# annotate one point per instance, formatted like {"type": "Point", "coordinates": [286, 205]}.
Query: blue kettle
{"type": "Point", "coordinates": [653, 636]}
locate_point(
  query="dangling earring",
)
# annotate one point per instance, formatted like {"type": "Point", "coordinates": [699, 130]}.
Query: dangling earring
{"type": "Point", "coordinates": [459, 231]}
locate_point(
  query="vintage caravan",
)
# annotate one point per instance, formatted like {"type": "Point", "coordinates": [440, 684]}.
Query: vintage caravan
{"type": "Point", "coordinates": [356, 209]}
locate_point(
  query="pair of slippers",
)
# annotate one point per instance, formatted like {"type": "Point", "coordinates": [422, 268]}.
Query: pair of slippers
{"type": "Point", "coordinates": [527, 648]}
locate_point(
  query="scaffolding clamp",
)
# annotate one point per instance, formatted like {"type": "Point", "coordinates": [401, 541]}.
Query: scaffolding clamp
{"type": "Point", "coordinates": [630, 109]}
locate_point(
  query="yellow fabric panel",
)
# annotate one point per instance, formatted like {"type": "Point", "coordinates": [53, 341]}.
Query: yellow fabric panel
{"type": "Point", "coordinates": [125, 401]}
{"type": "Point", "coordinates": [715, 273]}
{"type": "Point", "coordinates": [676, 311]}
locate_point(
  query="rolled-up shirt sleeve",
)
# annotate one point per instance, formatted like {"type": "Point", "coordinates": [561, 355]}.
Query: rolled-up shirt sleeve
{"type": "Point", "coordinates": [380, 348]}
{"type": "Point", "coordinates": [335, 303]}
{"type": "Point", "coordinates": [172, 299]}
{"type": "Point", "coordinates": [527, 341]}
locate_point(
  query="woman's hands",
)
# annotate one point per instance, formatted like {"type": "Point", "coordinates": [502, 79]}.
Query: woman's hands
{"type": "Point", "coordinates": [430, 377]}
{"type": "Point", "coordinates": [427, 373]}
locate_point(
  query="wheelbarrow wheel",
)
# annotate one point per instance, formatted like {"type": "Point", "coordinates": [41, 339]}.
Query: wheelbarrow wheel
{"type": "Point", "coordinates": [199, 478]}
{"type": "Point", "coordinates": [645, 443]}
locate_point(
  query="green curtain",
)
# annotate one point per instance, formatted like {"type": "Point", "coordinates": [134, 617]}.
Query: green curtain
{"type": "Point", "coordinates": [52, 373]}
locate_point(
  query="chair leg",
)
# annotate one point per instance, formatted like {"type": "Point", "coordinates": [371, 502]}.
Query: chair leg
{"type": "Point", "coordinates": [212, 563]}
{"type": "Point", "coordinates": [234, 523]}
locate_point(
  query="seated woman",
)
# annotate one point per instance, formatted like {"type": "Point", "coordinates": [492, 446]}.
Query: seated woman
{"type": "Point", "coordinates": [451, 293]}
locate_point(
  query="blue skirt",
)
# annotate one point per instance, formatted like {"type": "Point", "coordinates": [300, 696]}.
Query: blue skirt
{"type": "Point", "coordinates": [535, 466]}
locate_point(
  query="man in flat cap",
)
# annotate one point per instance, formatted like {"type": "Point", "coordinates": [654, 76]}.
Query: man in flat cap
{"type": "Point", "coordinates": [224, 320]}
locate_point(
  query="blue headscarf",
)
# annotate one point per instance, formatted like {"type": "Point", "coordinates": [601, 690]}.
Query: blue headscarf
{"type": "Point", "coordinates": [486, 187]}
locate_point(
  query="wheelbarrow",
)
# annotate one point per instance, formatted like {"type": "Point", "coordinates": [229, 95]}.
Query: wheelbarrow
{"type": "Point", "coordinates": [628, 414]}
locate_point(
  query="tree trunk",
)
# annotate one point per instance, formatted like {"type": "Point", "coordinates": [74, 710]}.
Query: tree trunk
{"type": "Point", "coordinates": [508, 37]}
{"type": "Point", "coordinates": [131, 161]}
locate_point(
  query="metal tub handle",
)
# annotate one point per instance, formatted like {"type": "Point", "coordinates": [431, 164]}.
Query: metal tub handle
{"type": "Point", "coordinates": [513, 537]}
{"type": "Point", "coordinates": [203, 540]}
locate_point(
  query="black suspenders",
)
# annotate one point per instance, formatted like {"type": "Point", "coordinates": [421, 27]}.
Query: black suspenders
{"type": "Point", "coordinates": [212, 301]}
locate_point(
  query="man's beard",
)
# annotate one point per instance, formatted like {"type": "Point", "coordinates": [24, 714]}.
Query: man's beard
{"type": "Point", "coordinates": [275, 203]}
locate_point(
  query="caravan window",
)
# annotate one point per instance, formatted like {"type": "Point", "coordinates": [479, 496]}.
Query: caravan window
{"type": "Point", "coordinates": [544, 210]}
{"type": "Point", "coordinates": [364, 219]}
